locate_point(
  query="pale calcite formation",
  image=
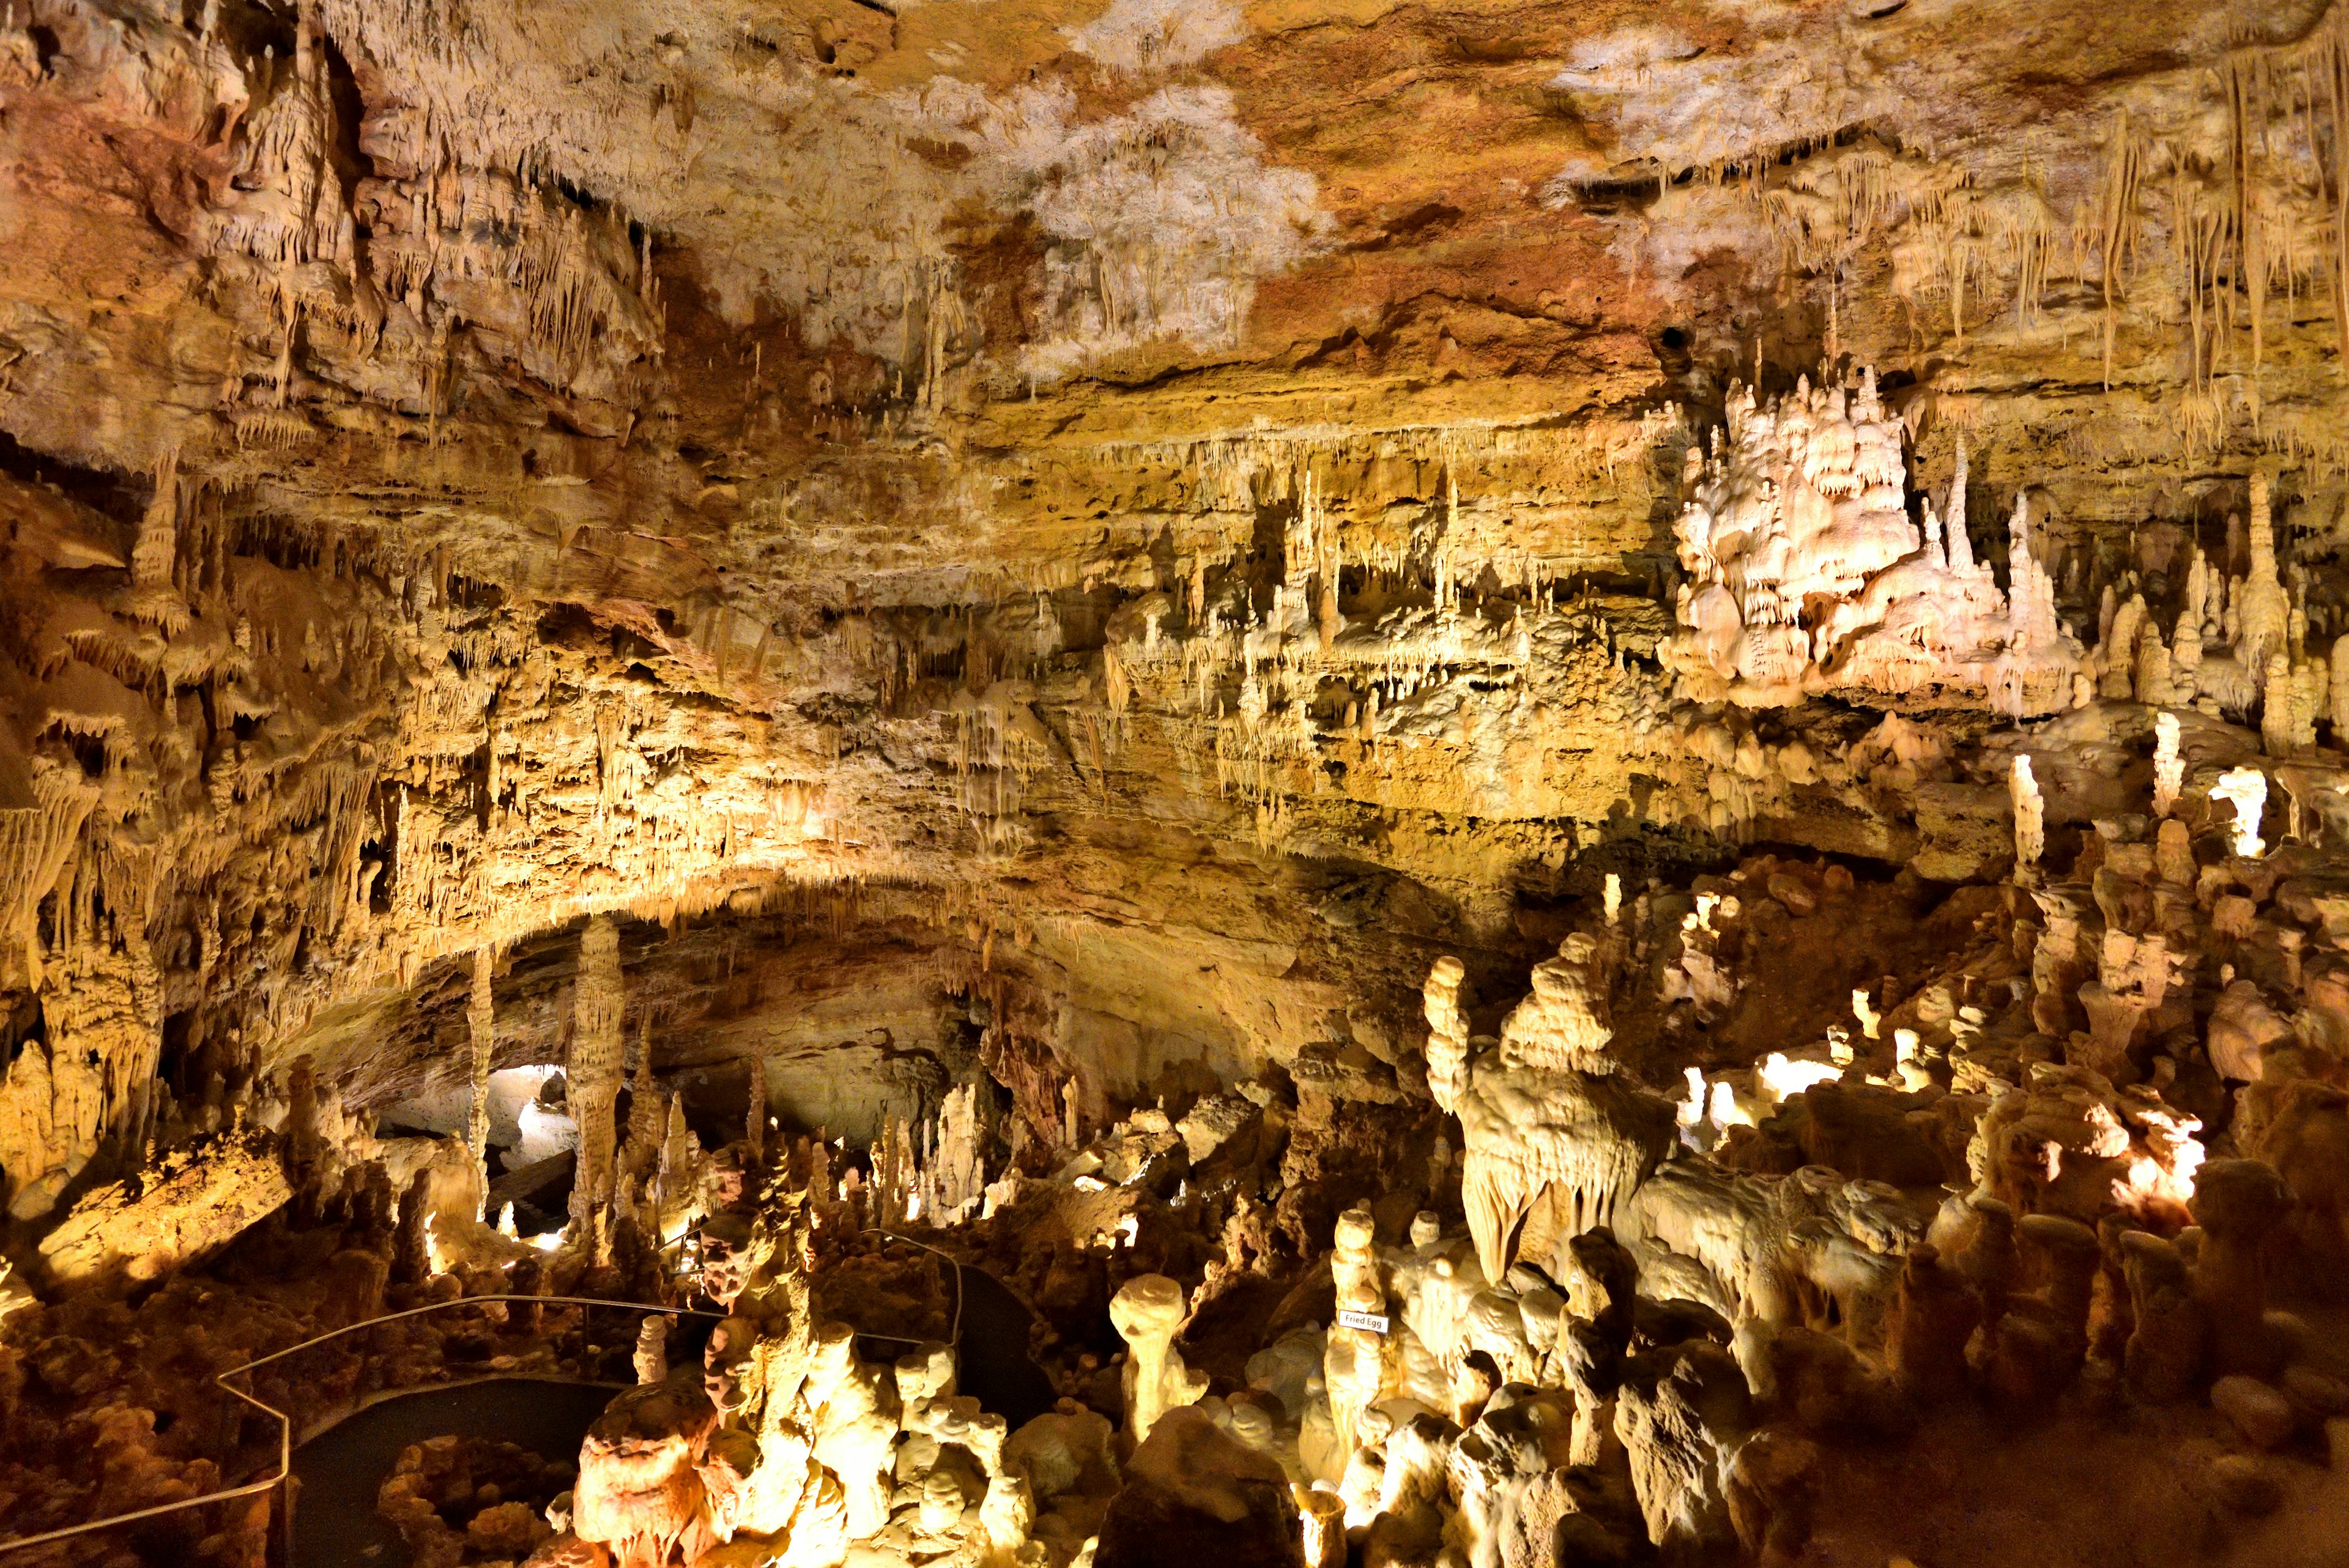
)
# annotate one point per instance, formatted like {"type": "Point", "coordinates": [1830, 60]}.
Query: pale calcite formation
{"type": "Point", "coordinates": [480, 1023]}
{"type": "Point", "coordinates": [594, 1067]}
{"type": "Point", "coordinates": [640, 1492]}
{"type": "Point", "coordinates": [2168, 765]}
{"type": "Point", "coordinates": [2068, 1142]}
{"type": "Point", "coordinates": [1805, 504]}
{"type": "Point", "coordinates": [852, 1421]}
{"type": "Point", "coordinates": [38, 834]}
{"type": "Point", "coordinates": [652, 1349]}
{"type": "Point", "coordinates": [90, 1084]}
{"type": "Point", "coordinates": [1323, 1516]}
{"type": "Point", "coordinates": [1353, 1370]}
{"type": "Point", "coordinates": [1148, 1311]}
{"type": "Point", "coordinates": [2246, 790]}
{"type": "Point", "coordinates": [2030, 814]}
{"type": "Point", "coordinates": [953, 1177]}
{"type": "Point", "coordinates": [1555, 1139]}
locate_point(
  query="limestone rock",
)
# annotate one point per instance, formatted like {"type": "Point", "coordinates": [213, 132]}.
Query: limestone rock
{"type": "Point", "coordinates": [2263, 1417]}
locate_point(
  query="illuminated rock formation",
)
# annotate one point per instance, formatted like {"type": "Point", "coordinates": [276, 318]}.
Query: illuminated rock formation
{"type": "Point", "coordinates": [640, 1492]}
{"type": "Point", "coordinates": [594, 1069]}
{"type": "Point", "coordinates": [851, 1422]}
{"type": "Point", "coordinates": [1555, 1139]}
{"type": "Point", "coordinates": [480, 1023]}
{"type": "Point", "coordinates": [2246, 790]}
{"type": "Point", "coordinates": [1147, 1311]}
{"type": "Point", "coordinates": [1013, 604]}
{"type": "Point", "coordinates": [1805, 504]}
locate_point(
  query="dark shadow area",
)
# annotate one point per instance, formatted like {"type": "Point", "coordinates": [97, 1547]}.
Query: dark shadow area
{"type": "Point", "coordinates": [339, 1472]}
{"type": "Point", "coordinates": [993, 1367]}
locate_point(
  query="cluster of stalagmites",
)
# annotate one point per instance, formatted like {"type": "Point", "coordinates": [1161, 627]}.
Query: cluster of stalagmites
{"type": "Point", "coordinates": [1659, 1316]}
{"type": "Point", "coordinates": [1805, 507]}
{"type": "Point", "coordinates": [1806, 576]}
{"type": "Point", "coordinates": [1646, 1316]}
{"type": "Point", "coordinates": [2054, 1174]}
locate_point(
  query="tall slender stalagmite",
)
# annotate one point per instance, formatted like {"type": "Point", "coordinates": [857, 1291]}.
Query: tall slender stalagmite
{"type": "Point", "coordinates": [756, 1130]}
{"type": "Point", "coordinates": [595, 1066]}
{"type": "Point", "coordinates": [640, 1150]}
{"type": "Point", "coordinates": [481, 1016]}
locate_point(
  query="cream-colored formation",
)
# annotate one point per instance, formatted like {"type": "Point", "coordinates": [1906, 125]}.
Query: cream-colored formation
{"type": "Point", "coordinates": [594, 1067]}
{"type": "Point", "coordinates": [1148, 1311]}
{"type": "Point", "coordinates": [1804, 574]}
{"type": "Point", "coordinates": [480, 1023]}
{"type": "Point", "coordinates": [1555, 1139]}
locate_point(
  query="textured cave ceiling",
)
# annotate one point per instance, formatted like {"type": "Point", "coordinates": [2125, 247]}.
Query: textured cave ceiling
{"type": "Point", "coordinates": [473, 466]}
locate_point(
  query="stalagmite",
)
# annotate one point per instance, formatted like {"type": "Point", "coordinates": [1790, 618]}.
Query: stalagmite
{"type": "Point", "coordinates": [754, 1132]}
{"type": "Point", "coordinates": [1870, 1021]}
{"type": "Point", "coordinates": [2265, 606]}
{"type": "Point", "coordinates": [1555, 1138]}
{"type": "Point", "coordinates": [2030, 813]}
{"type": "Point", "coordinates": [652, 1348]}
{"type": "Point", "coordinates": [2278, 728]}
{"type": "Point", "coordinates": [2152, 678]}
{"type": "Point", "coordinates": [1961, 544]}
{"type": "Point", "coordinates": [480, 1019]}
{"type": "Point", "coordinates": [1353, 1367]}
{"type": "Point", "coordinates": [2245, 789]}
{"type": "Point", "coordinates": [640, 1145]}
{"type": "Point", "coordinates": [1906, 1068]}
{"type": "Point", "coordinates": [1148, 1311]}
{"type": "Point", "coordinates": [2169, 765]}
{"type": "Point", "coordinates": [594, 1069]}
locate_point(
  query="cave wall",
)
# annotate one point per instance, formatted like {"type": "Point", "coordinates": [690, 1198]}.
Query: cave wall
{"type": "Point", "coordinates": [856, 494]}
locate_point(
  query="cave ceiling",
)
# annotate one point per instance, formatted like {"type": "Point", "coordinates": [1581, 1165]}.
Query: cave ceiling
{"type": "Point", "coordinates": [472, 466]}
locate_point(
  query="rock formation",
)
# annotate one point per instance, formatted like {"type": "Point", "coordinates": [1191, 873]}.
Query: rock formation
{"type": "Point", "coordinates": [1556, 1141]}
{"type": "Point", "coordinates": [1355, 784]}
{"type": "Point", "coordinates": [593, 1069]}
{"type": "Point", "coordinates": [1148, 1311]}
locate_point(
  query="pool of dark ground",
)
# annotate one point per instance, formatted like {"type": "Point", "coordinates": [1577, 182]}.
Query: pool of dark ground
{"type": "Point", "coordinates": [993, 1367]}
{"type": "Point", "coordinates": [341, 1470]}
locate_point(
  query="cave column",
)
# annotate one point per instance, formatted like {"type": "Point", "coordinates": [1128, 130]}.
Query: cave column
{"type": "Point", "coordinates": [480, 1017]}
{"type": "Point", "coordinates": [756, 1129]}
{"type": "Point", "coordinates": [641, 1153]}
{"type": "Point", "coordinates": [595, 1068]}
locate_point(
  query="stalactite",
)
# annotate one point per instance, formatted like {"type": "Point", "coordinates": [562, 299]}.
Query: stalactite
{"type": "Point", "coordinates": [36, 842]}
{"type": "Point", "coordinates": [2117, 224]}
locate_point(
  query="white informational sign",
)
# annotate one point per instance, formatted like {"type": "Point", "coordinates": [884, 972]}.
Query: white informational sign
{"type": "Point", "coordinates": [1375, 1321]}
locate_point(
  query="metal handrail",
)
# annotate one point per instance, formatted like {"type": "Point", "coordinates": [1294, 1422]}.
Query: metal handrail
{"type": "Point", "coordinates": [285, 1420]}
